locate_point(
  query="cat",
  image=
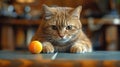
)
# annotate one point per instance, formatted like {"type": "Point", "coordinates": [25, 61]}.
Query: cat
{"type": "Point", "coordinates": [61, 31]}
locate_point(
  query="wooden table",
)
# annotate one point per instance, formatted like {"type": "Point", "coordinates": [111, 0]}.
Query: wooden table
{"type": "Point", "coordinates": [26, 59]}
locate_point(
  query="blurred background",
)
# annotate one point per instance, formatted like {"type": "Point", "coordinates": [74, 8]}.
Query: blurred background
{"type": "Point", "coordinates": [19, 19]}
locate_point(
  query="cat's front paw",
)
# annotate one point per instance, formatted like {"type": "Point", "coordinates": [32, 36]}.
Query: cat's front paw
{"type": "Point", "coordinates": [78, 49]}
{"type": "Point", "coordinates": [48, 48]}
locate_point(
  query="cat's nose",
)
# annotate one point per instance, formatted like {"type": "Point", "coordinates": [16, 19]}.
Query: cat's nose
{"type": "Point", "coordinates": [61, 36]}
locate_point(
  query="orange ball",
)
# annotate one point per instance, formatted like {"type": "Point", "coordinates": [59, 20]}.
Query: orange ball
{"type": "Point", "coordinates": [35, 47]}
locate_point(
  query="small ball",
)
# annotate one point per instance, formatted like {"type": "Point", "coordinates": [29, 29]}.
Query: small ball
{"type": "Point", "coordinates": [35, 47]}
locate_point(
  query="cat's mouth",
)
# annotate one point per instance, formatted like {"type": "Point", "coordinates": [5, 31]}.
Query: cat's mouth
{"type": "Point", "coordinates": [63, 40]}
{"type": "Point", "coordinates": [60, 40]}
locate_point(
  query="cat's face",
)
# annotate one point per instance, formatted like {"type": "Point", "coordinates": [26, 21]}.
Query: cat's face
{"type": "Point", "coordinates": [61, 24]}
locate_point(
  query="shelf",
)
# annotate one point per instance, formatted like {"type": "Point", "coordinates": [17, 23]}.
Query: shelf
{"type": "Point", "coordinates": [84, 21]}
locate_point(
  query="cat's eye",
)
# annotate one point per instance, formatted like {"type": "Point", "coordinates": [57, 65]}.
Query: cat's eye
{"type": "Point", "coordinates": [69, 27]}
{"type": "Point", "coordinates": [54, 27]}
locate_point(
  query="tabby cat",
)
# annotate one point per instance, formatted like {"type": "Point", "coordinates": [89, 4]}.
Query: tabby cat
{"type": "Point", "coordinates": [61, 31]}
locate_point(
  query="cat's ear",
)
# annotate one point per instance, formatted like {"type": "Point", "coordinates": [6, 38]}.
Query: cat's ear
{"type": "Point", "coordinates": [47, 11]}
{"type": "Point", "coordinates": [76, 12]}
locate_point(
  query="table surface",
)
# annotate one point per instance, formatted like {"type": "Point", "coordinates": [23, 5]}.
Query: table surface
{"type": "Point", "coordinates": [93, 59]}
{"type": "Point", "coordinates": [95, 55]}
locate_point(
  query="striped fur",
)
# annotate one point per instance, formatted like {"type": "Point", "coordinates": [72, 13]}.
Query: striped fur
{"type": "Point", "coordinates": [61, 31]}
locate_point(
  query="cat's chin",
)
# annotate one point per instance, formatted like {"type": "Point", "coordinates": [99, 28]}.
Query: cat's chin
{"type": "Point", "coordinates": [63, 40]}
